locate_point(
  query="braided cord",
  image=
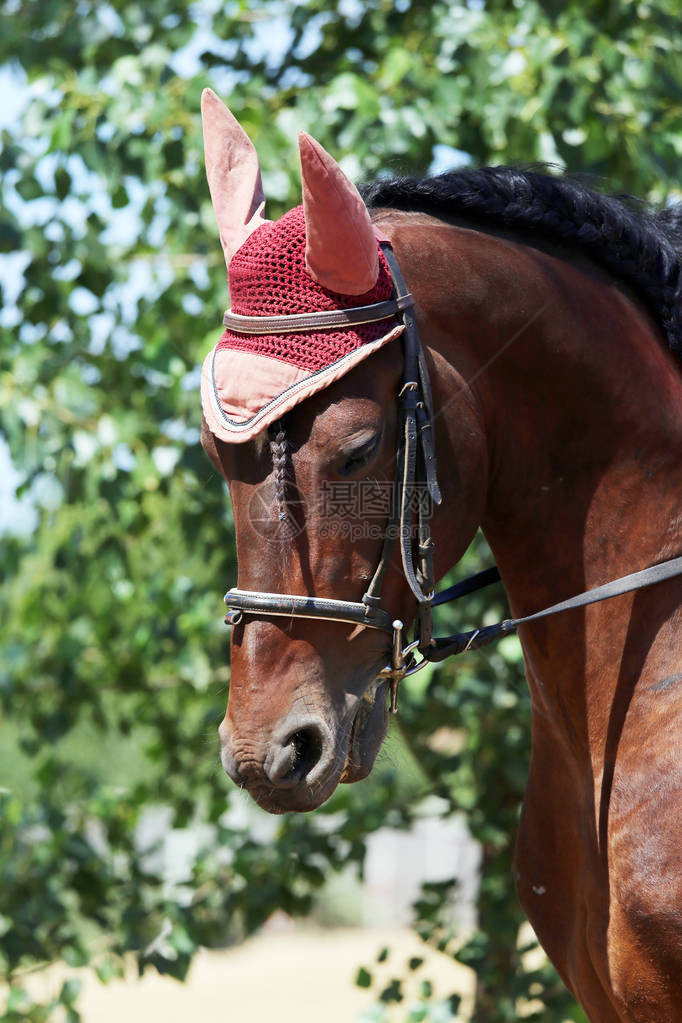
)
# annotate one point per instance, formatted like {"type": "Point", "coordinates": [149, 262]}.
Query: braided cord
{"type": "Point", "coordinates": [278, 450]}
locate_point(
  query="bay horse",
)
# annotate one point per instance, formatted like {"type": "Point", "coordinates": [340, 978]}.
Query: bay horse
{"type": "Point", "coordinates": [550, 322]}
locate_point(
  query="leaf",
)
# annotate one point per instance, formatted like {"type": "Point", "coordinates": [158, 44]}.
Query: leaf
{"type": "Point", "coordinates": [61, 137]}
{"type": "Point", "coordinates": [363, 978]}
{"type": "Point", "coordinates": [426, 989]}
{"type": "Point", "coordinates": [29, 188]}
{"type": "Point", "coordinates": [70, 990]}
{"type": "Point", "coordinates": [62, 182]}
{"type": "Point", "coordinates": [392, 992]}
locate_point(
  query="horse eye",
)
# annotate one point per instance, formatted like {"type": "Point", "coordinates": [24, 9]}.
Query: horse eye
{"type": "Point", "coordinates": [361, 456]}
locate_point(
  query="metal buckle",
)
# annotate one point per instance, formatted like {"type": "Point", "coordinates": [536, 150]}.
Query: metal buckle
{"type": "Point", "coordinates": [402, 663]}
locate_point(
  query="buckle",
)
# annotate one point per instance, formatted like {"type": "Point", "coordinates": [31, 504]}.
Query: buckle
{"type": "Point", "coordinates": [402, 664]}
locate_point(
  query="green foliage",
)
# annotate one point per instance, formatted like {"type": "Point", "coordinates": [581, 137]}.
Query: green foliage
{"type": "Point", "coordinates": [110, 607]}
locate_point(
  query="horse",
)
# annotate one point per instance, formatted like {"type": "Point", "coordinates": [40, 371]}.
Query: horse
{"type": "Point", "coordinates": [550, 325]}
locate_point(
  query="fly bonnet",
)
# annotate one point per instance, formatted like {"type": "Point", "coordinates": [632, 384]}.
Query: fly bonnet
{"type": "Point", "coordinates": [323, 256]}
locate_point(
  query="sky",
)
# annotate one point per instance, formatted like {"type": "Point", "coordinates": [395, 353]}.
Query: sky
{"type": "Point", "coordinates": [14, 515]}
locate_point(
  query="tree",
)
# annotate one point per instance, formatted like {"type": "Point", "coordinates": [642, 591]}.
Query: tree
{"type": "Point", "coordinates": [110, 610]}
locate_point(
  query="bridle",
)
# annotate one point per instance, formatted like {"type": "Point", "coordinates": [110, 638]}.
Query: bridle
{"type": "Point", "coordinates": [414, 481]}
{"type": "Point", "coordinates": [415, 491]}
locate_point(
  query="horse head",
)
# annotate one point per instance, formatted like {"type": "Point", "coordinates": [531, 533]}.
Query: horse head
{"type": "Point", "coordinates": [304, 426]}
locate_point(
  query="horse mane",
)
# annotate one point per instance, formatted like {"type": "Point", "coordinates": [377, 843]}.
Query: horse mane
{"type": "Point", "coordinates": [640, 246]}
{"type": "Point", "coordinates": [277, 438]}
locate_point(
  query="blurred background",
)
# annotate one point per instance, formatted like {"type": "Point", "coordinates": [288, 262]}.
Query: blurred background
{"type": "Point", "coordinates": [124, 849]}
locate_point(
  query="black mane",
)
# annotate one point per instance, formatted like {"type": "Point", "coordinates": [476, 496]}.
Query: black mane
{"type": "Point", "coordinates": [636, 244]}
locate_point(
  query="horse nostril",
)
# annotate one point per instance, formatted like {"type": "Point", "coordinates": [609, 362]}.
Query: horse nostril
{"type": "Point", "coordinates": [296, 758]}
{"type": "Point", "coordinates": [307, 743]}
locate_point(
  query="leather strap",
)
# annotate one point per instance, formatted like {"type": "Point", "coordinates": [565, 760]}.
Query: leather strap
{"type": "Point", "coordinates": [418, 484]}
{"type": "Point", "coordinates": [466, 586]}
{"type": "Point", "coordinates": [325, 319]}
{"type": "Point", "coordinates": [288, 605]}
{"type": "Point", "coordinates": [415, 451]}
{"type": "Point", "coordinates": [447, 646]}
{"type": "Point", "coordinates": [417, 370]}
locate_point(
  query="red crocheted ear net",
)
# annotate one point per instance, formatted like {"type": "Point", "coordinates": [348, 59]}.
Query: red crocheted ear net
{"type": "Point", "coordinates": [268, 277]}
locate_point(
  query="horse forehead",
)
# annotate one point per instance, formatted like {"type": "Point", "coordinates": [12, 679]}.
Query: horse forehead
{"type": "Point", "coordinates": [361, 400]}
{"type": "Point", "coordinates": [345, 418]}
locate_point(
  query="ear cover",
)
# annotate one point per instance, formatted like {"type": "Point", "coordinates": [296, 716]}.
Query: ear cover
{"type": "Point", "coordinates": [319, 256]}
{"type": "Point", "coordinates": [233, 174]}
{"type": "Point", "coordinates": [341, 244]}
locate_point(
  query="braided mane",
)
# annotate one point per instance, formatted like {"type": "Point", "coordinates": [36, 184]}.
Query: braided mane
{"type": "Point", "coordinates": [636, 244]}
{"type": "Point", "coordinates": [278, 449]}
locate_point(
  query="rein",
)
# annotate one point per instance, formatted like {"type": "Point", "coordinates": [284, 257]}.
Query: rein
{"type": "Point", "coordinates": [415, 484]}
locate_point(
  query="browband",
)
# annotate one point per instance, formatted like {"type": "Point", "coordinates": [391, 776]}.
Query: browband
{"type": "Point", "coordinates": [323, 320]}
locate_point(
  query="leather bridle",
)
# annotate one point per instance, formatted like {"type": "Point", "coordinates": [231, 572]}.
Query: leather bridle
{"type": "Point", "coordinates": [415, 491]}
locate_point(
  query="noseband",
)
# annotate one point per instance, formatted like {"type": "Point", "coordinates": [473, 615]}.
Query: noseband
{"type": "Point", "coordinates": [415, 490]}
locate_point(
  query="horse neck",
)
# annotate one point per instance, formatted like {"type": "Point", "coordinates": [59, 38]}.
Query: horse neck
{"type": "Point", "coordinates": [584, 422]}
{"type": "Point", "coordinates": [581, 410]}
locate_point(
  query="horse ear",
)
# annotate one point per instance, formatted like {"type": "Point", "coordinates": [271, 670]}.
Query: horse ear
{"type": "Point", "coordinates": [341, 246]}
{"type": "Point", "coordinates": [233, 174]}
